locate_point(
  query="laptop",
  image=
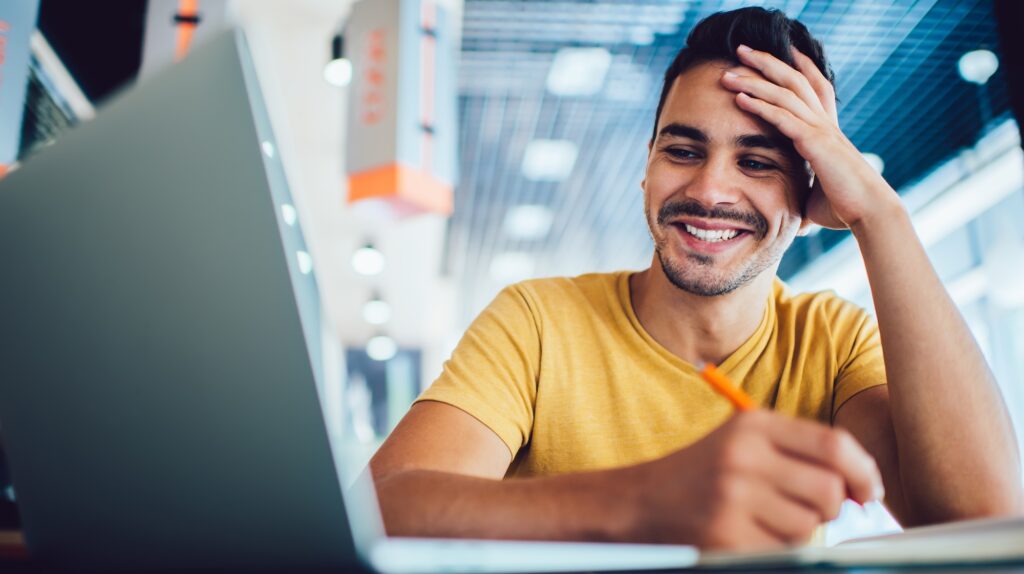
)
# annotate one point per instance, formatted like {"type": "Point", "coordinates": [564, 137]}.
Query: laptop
{"type": "Point", "coordinates": [159, 354]}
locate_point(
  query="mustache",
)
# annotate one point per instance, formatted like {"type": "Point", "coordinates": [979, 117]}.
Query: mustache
{"type": "Point", "coordinates": [751, 219]}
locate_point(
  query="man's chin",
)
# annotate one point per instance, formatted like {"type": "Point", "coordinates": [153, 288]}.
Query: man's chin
{"type": "Point", "coordinates": [698, 276]}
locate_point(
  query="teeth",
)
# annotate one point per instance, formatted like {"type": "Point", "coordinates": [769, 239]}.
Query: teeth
{"type": "Point", "coordinates": [711, 235]}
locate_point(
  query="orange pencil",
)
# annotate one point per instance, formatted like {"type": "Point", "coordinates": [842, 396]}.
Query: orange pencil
{"type": "Point", "coordinates": [724, 386]}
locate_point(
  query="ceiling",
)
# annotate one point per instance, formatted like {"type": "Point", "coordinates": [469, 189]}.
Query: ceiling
{"type": "Point", "coordinates": [895, 65]}
{"type": "Point", "coordinates": [896, 75]}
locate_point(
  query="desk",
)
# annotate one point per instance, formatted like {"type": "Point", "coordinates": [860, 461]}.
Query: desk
{"type": "Point", "coordinates": [14, 560]}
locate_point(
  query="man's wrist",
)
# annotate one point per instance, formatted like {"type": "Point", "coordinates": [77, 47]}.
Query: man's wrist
{"type": "Point", "coordinates": [889, 214]}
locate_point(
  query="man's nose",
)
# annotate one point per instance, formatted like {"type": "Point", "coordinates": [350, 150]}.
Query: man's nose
{"type": "Point", "coordinates": [714, 183]}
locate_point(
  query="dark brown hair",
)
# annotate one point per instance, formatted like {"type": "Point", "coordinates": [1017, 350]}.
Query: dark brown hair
{"type": "Point", "coordinates": [716, 38]}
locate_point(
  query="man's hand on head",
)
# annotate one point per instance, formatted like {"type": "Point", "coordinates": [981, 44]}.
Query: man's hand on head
{"type": "Point", "coordinates": [801, 104]}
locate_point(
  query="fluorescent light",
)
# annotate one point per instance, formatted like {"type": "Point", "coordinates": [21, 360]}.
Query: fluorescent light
{"type": "Point", "coordinates": [268, 149]}
{"type": "Point", "coordinates": [367, 260]}
{"type": "Point", "coordinates": [549, 160]}
{"type": "Point", "coordinates": [288, 213]}
{"type": "Point", "coordinates": [376, 311]}
{"type": "Point", "coordinates": [969, 198]}
{"type": "Point", "coordinates": [305, 262]}
{"type": "Point", "coordinates": [528, 221]}
{"type": "Point", "coordinates": [511, 267]}
{"type": "Point", "coordinates": [977, 66]}
{"type": "Point", "coordinates": [641, 35]}
{"type": "Point", "coordinates": [578, 71]}
{"type": "Point", "coordinates": [875, 161]}
{"type": "Point", "coordinates": [381, 348]}
{"type": "Point", "coordinates": [338, 72]}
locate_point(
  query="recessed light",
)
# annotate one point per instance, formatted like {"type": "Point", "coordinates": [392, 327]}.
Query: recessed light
{"type": "Point", "coordinates": [338, 72]}
{"type": "Point", "coordinates": [875, 161]}
{"type": "Point", "coordinates": [977, 66]}
{"type": "Point", "coordinates": [381, 348]}
{"type": "Point", "coordinates": [368, 260]}
{"type": "Point", "coordinates": [305, 262]}
{"type": "Point", "coordinates": [578, 71]}
{"type": "Point", "coordinates": [376, 311]}
{"type": "Point", "coordinates": [528, 222]}
{"type": "Point", "coordinates": [288, 213]}
{"type": "Point", "coordinates": [549, 160]}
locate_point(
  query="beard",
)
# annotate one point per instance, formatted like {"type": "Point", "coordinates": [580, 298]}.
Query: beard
{"type": "Point", "coordinates": [699, 274]}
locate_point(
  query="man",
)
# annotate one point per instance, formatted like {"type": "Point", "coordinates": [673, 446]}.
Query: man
{"type": "Point", "coordinates": [572, 408]}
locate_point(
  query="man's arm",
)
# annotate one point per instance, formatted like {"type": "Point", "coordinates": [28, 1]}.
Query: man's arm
{"type": "Point", "coordinates": [952, 450]}
{"type": "Point", "coordinates": [762, 480]}
{"type": "Point", "coordinates": [440, 474]}
{"type": "Point", "coordinates": [954, 441]}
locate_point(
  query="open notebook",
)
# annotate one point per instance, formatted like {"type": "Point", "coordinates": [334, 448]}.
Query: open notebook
{"type": "Point", "coordinates": [968, 542]}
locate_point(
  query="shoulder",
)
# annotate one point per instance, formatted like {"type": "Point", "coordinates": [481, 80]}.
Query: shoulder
{"type": "Point", "coordinates": [820, 310]}
{"type": "Point", "coordinates": [583, 290]}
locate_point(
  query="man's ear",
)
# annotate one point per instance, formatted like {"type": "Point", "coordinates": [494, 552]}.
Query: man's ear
{"type": "Point", "coordinates": [643, 182]}
{"type": "Point", "coordinates": [805, 224]}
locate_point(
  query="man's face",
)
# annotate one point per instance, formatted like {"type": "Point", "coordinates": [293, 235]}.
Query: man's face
{"type": "Point", "coordinates": [723, 189]}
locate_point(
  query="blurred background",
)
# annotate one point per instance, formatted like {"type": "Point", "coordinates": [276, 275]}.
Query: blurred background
{"type": "Point", "coordinates": [535, 133]}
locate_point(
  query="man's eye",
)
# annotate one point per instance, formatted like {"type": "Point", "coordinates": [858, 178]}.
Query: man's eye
{"type": "Point", "coordinates": [680, 153]}
{"type": "Point", "coordinates": [756, 165]}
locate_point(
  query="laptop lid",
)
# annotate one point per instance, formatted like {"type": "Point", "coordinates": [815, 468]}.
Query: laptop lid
{"type": "Point", "coordinates": [159, 338]}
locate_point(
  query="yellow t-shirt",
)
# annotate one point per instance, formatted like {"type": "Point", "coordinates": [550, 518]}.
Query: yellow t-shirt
{"type": "Point", "coordinates": [564, 373]}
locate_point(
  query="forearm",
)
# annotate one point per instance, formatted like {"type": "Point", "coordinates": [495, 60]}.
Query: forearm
{"type": "Point", "coordinates": [582, 506]}
{"type": "Point", "coordinates": [958, 457]}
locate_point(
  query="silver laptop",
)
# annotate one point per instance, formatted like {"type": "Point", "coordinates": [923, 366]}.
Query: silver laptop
{"type": "Point", "coordinates": [159, 354]}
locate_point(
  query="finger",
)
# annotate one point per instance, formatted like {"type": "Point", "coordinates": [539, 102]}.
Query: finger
{"type": "Point", "coordinates": [835, 449]}
{"type": "Point", "coordinates": [774, 94]}
{"type": "Point", "coordinates": [783, 120]}
{"type": "Point", "coordinates": [781, 73]}
{"type": "Point", "coordinates": [750, 535]}
{"type": "Point", "coordinates": [817, 488]}
{"type": "Point", "coordinates": [784, 518]}
{"type": "Point", "coordinates": [819, 83]}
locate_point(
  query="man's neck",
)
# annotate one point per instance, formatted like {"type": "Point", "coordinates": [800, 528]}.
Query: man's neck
{"type": "Point", "coordinates": [696, 328]}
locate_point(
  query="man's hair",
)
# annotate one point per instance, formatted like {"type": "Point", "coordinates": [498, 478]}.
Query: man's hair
{"type": "Point", "coordinates": [716, 38]}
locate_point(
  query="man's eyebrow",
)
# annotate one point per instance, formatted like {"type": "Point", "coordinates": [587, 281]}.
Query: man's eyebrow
{"type": "Point", "coordinates": [762, 141]}
{"type": "Point", "coordinates": [683, 131]}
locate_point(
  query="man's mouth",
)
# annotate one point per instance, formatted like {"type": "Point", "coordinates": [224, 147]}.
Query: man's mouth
{"type": "Point", "coordinates": [710, 237]}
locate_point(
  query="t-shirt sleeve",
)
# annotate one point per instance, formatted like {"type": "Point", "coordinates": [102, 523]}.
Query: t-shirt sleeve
{"type": "Point", "coordinates": [864, 366]}
{"type": "Point", "coordinates": [492, 374]}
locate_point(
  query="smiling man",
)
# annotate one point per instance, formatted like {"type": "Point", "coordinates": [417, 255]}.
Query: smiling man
{"type": "Point", "coordinates": [573, 410]}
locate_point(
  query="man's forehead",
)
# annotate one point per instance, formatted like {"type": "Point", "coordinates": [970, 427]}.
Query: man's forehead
{"type": "Point", "coordinates": [697, 99]}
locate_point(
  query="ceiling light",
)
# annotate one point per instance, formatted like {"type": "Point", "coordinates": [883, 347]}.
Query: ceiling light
{"type": "Point", "coordinates": [528, 222]}
{"type": "Point", "coordinates": [381, 348]}
{"type": "Point", "coordinates": [368, 260]}
{"type": "Point", "coordinates": [641, 35]}
{"type": "Point", "coordinates": [288, 213]}
{"type": "Point", "coordinates": [549, 160]}
{"type": "Point", "coordinates": [875, 161]}
{"type": "Point", "coordinates": [977, 66]}
{"type": "Point", "coordinates": [376, 311]}
{"type": "Point", "coordinates": [578, 71]}
{"type": "Point", "coordinates": [268, 149]}
{"type": "Point", "coordinates": [338, 71]}
{"type": "Point", "coordinates": [305, 262]}
{"type": "Point", "coordinates": [511, 267]}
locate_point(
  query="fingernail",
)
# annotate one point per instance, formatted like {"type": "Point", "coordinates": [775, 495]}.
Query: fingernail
{"type": "Point", "coordinates": [744, 49]}
{"type": "Point", "coordinates": [731, 75]}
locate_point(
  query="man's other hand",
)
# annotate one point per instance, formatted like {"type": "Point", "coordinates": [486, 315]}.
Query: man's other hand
{"type": "Point", "coordinates": [762, 480]}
